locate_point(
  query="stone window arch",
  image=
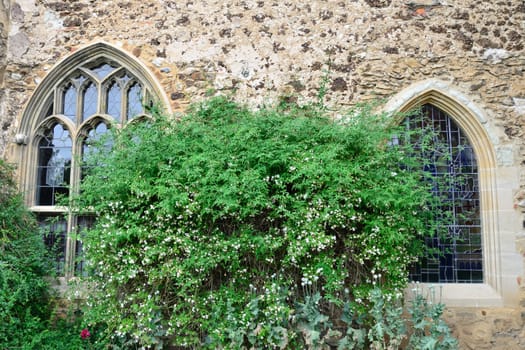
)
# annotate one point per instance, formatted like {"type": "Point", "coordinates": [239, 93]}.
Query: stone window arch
{"type": "Point", "coordinates": [498, 286]}
{"type": "Point", "coordinates": [94, 89]}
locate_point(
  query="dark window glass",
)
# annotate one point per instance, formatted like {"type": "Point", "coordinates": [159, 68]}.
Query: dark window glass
{"type": "Point", "coordinates": [134, 105]}
{"type": "Point", "coordinates": [54, 165]}
{"type": "Point", "coordinates": [49, 110]}
{"type": "Point", "coordinates": [114, 101]}
{"type": "Point", "coordinates": [458, 256]}
{"type": "Point", "coordinates": [54, 230]}
{"type": "Point", "coordinates": [89, 101]}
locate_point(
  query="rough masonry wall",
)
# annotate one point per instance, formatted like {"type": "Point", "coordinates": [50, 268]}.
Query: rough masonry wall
{"type": "Point", "coordinates": [263, 51]}
{"type": "Point", "coordinates": [5, 121]}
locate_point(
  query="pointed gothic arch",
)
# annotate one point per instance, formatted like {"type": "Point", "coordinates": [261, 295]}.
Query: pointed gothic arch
{"type": "Point", "coordinates": [91, 55]}
{"type": "Point", "coordinates": [496, 289]}
{"type": "Point", "coordinates": [76, 100]}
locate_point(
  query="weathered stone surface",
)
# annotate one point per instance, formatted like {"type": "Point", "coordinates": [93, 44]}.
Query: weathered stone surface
{"type": "Point", "coordinates": [18, 45]}
{"type": "Point", "coordinates": [269, 50]}
{"type": "Point", "coordinates": [496, 328]}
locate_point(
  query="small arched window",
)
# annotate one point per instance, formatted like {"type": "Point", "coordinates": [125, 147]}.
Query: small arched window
{"type": "Point", "coordinates": [458, 256]}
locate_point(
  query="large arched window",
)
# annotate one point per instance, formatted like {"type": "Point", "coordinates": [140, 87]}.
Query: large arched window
{"type": "Point", "coordinates": [457, 256]}
{"type": "Point", "coordinates": [95, 89]}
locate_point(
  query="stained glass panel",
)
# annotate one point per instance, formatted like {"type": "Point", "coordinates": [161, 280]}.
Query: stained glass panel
{"type": "Point", "coordinates": [458, 256]}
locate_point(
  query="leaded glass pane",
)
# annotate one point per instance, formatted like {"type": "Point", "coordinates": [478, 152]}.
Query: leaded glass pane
{"type": "Point", "coordinates": [94, 136]}
{"type": "Point", "coordinates": [103, 70]}
{"type": "Point", "coordinates": [89, 101]}
{"type": "Point", "coordinates": [95, 87]}
{"type": "Point", "coordinates": [114, 101]}
{"type": "Point", "coordinates": [458, 256]}
{"type": "Point", "coordinates": [89, 146]}
{"type": "Point", "coordinates": [54, 233]}
{"type": "Point", "coordinates": [134, 103]}
{"type": "Point", "coordinates": [70, 102]}
{"type": "Point", "coordinates": [54, 165]}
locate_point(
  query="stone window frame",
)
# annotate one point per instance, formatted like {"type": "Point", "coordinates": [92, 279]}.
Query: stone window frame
{"type": "Point", "coordinates": [502, 264]}
{"type": "Point", "coordinates": [35, 118]}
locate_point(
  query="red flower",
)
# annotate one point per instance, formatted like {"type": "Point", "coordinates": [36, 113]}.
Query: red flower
{"type": "Point", "coordinates": [85, 334]}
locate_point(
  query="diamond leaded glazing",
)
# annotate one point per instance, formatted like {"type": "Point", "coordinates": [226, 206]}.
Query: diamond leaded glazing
{"type": "Point", "coordinates": [70, 102]}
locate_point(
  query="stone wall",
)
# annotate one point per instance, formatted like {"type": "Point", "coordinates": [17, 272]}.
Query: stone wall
{"type": "Point", "coordinates": [5, 121]}
{"type": "Point", "coordinates": [490, 328]}
{"type": "Point", "coordinates": [264, 51]}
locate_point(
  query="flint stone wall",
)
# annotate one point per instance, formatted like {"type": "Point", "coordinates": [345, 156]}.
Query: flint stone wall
{"type": "Point", "coordinates": [266, 51]}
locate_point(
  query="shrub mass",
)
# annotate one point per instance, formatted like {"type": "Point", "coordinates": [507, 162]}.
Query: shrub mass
{"type": "Point", "coordinates": [23, 290]}
{"type": "Point", "coordinates": [232, 228]}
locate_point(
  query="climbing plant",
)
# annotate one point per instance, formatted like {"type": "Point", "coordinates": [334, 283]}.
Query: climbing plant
{"type": "Point", "coordinates": [223, 228]}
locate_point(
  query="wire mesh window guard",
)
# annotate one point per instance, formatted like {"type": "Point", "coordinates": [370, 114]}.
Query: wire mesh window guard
{"type": "Point", "coordinates": [458, 256]}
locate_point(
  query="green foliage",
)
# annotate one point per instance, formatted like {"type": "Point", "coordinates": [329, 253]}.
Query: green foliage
{"type": "Point", "coordinates": [224, 228]}
{"type": "Point", "coordinates": [383, 326]}
{"type": "Point", "coordinates": [27, 305]}
{"type": "Point", "coordinates": [24, 297]}
{"type": "Point", "coordinates": [310, 321]}
{"type": "Point", "coordinates": [62, 334]}
{"type": "Point", "coordinates": [429, 331]}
